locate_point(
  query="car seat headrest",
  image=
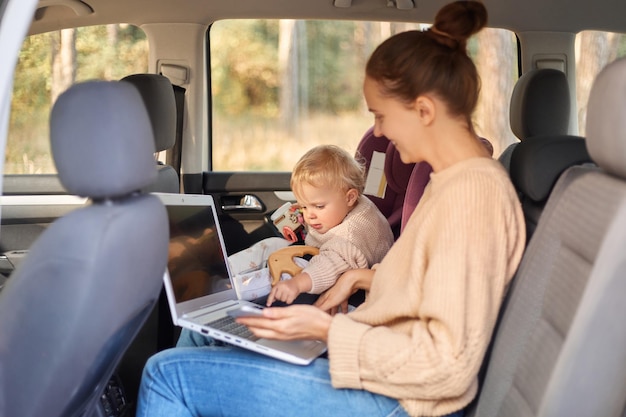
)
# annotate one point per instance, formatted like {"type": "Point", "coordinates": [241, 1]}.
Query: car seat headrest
{"type": "Point", "coordinates": [537, 163]}
{"type": "Point", "coordinates": [396, 171]}
{"type": "Point", "coordinates": [540, 104]}
{"type": "Point", "coordinates": [101, 140]}
{"type": "Point", "coordinates": [370, 144]}
{"type": "Point", "coordinates": [396, 175]}
{"type": "Point", "coordinates": [606, 124]}
{"type": "Point", "coordinates": [158, 96]}
{"type": "Point", "coordinates": [420, 176]}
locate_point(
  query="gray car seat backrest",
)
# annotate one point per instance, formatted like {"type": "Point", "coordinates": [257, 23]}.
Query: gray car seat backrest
{"type": "Point", "coordinates": [158, 96]}
{"type": "Point", "coordinates": [560, 348]}
{"type": "Point", "coordinates": [75, 303]}
{"type": "Point", "coordinates": [540, 105]}
{"type": "Point", "coordinates": [536, 165]}
{"type": "Point", "coordinates": [539, 114]}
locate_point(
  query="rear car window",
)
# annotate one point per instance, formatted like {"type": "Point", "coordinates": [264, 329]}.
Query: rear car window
{"type": "Point", "coordinates": [48, 64]}
{"type": "Point", "coordinates": [280, 87]}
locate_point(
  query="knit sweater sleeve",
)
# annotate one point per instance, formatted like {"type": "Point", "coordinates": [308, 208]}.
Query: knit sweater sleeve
{"type": "Point", "coordinates": [335, 258]}
{"type": "Point", "coordinates": [423, 331]}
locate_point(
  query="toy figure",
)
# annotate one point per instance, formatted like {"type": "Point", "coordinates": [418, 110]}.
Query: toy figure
{"type": "Point", "coordinates": [289, 222]}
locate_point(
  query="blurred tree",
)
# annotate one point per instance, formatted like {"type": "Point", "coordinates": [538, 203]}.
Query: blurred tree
{"type": "Point", "coordinates": [31, 80]}
{"type": "Point", "coordinates": [51, 62]}
{"type": "Point", "coordinates": [492, 50]}
{"type": "Point", "coordinates": [110, 52]}
{"type": "Point", "coordinates": [593, 51]}
{"type": "Point", "coordinates": [337, 53]}
{"type": "Point", "coordinates": [111, 46]}
{"type": "Point", "coordinates": [288, 69]}
{"type": "Point", "coordinates": [244, 68]}
{"type": "Point", "coordinates": [63, 48]}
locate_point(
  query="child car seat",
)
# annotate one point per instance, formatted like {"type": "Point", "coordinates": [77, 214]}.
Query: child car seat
{"type": "Point", "coordinates": [405, 183]}
{"type": "Point", "coordinates": [389, 197]}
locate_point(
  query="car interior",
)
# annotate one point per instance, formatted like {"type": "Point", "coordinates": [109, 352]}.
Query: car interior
{"type": "Point", "coordinates": [221, 98]}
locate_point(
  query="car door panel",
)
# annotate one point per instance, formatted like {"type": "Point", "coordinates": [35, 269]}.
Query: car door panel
{"type": "Point", "coordinates": [245, 201]}
{"type": "Point", "coordinates": [29, 205]}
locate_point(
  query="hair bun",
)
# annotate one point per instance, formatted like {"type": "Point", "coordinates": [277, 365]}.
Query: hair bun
{"type": "Point", "coordinates": [457, 21]}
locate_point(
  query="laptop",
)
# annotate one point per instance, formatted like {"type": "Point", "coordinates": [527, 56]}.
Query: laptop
{"type": "Point", "coordinates": [199, 285]}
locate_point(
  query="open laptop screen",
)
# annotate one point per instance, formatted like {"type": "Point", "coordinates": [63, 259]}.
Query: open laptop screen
{"type": "Point", "coordinates": [196, 261]}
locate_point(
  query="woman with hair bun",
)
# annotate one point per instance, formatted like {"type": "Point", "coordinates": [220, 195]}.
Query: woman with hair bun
{"type": "Point", "coordinates": [415, 346]}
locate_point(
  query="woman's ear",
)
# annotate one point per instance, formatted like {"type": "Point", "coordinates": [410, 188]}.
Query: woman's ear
{"type": "Point", "coordinates": [351, 196]}
{"type": "Point", "coordinates": [425, 108]}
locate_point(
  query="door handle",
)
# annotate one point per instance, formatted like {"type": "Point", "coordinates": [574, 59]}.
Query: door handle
{"type": "Point", "coordinates": [247, 202]}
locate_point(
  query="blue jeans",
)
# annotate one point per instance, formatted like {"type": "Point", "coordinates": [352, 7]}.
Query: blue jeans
{"type": "Point", "coordinates": [220, 380]}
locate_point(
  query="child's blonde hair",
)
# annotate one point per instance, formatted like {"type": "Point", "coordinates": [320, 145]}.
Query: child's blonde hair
{"type": "Point", "coordinates": [328, 166]}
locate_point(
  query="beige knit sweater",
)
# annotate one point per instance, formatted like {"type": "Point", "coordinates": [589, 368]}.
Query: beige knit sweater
{"type": "Point", "coordinates": [361, 240]}
{"type": "Point", "coordinates": [422, 333]}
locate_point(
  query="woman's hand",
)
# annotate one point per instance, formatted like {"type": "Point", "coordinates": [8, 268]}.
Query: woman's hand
{"type": "Point", "coordinates": [335, 299]}
{"type": "Point", "coordinates": [295, 322]}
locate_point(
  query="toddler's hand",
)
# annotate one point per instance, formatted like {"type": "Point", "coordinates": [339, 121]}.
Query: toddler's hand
{"type": "Point", "coordinates": [285, 291]}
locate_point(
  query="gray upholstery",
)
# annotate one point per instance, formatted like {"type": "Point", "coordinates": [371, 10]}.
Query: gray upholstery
{"type": "Point", "coordinates": [74, 304]}
{"type": "Point", "coordinates": [540, 109]}
{"type": "Point", "coordinates": [540, 105]}
{"type": "Point", "coordinates": [536, 166]}
{"type": "Point", "coordinates": [158, 96]}
{"type": "Point", "coordinates": [606, 121]}
{"type": "Point", "coordinates": [83, 153]}
{"type": "Point", "coordinates": [560, 348]}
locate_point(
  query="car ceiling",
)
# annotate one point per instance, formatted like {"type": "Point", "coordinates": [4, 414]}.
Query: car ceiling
{"type": "Point", "coordinates": [519, 16]}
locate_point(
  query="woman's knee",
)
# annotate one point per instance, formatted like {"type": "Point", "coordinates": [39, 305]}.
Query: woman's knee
{"type": "Point", "coordinates": [153, 367]}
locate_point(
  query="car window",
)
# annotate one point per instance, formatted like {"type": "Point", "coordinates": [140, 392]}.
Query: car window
{"type": "Point", "coordinates": [280, 87]}
{"type": "Point", "coordinates": [48, 64]}
{"type": "Point", "coordinates": [594, 50]}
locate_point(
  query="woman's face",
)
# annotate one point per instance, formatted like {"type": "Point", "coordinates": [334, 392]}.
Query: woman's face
{"type": "Point", "coordinates": [395, 120]}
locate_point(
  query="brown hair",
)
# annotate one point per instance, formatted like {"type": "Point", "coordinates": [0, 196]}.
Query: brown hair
{"type": "Point", "coordinates": [435, 61]}
{"type": "Point", "coordinates": [328, 166]}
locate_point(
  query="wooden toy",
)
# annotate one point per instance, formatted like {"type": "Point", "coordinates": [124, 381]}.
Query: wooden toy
{"type": "Point", "coordinates": [282, 260]}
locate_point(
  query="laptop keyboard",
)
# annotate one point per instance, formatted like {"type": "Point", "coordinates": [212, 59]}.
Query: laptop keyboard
{"type": "Point", "coordinates": [228, 324]}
